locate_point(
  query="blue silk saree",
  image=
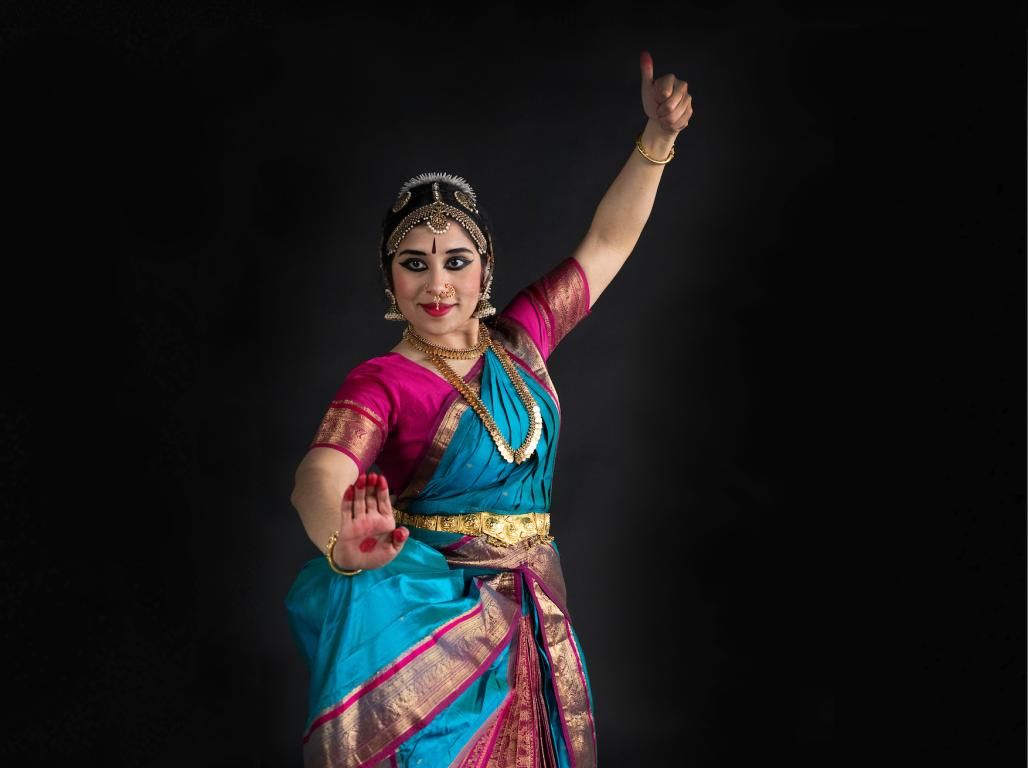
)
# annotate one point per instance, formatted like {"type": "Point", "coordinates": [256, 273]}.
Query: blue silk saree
{"type": "Point", "coordinates": [460, 653]}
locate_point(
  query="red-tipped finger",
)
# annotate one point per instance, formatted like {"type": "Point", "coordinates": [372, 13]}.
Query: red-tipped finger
{"type": "Point", "coordinates": [646, 67]}
{"type": "Point", "coordinates": [400, 535]}
{"type": "Point", "coordinates": [382, 499]}
{"type": "Point", "coordinates": [358, 497]}
{"type": "Point", "coordinates": [346, 505]}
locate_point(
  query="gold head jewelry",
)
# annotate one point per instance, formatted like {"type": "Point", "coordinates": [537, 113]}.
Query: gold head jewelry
{"type": "Point", "coordinates": [435, 214]}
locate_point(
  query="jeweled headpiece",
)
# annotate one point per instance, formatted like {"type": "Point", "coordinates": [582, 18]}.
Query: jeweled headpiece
{"type": "Point", "coordinates": [435, 210]}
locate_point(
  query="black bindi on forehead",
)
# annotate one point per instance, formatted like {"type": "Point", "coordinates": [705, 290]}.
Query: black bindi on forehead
{"type": "Point", "coordinates": [433, 245]}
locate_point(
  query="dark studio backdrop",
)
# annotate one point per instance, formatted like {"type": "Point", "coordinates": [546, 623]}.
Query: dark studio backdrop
{"type": "Point", "coordinates": [789, 493]}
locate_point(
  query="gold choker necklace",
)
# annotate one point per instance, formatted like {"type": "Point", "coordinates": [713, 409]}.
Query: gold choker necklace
{"type": "Point", "coordinates": [471, 353]}
{"type": "Point", "coordinates": [437, 354]}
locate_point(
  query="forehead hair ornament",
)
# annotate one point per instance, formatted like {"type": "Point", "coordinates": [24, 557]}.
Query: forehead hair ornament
{"type": "Point", "coordinates": [437, 213]}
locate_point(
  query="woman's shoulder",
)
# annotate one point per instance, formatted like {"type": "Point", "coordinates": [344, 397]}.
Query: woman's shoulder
{"type": "Point", "coordinates": [386, 368]}
{"type": "Point", "coordinates": [516, 339]}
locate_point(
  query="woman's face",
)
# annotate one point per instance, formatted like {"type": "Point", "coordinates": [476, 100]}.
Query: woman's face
{"type": "Point", "coordinates": [425, 266]}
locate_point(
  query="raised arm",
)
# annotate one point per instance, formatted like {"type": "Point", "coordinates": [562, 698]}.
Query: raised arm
{"type": "Point", "coordinates": [625, 208]}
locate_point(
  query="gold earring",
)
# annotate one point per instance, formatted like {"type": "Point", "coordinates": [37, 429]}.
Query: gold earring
{"type": "Point", "coordinates": [393, 313]}
{"type": "Point", "coordinates": [484, 308]}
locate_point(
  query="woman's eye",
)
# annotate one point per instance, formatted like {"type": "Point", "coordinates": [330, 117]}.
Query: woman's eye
{"type": "Point", "coordinates": [417, 265]}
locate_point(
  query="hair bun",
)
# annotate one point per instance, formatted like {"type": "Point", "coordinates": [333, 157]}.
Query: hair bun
{"type": "Point", "coordinates": [428, 178]}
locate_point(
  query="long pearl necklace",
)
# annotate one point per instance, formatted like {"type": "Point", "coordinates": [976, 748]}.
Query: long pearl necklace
{"type": "Point", "coordinates": [437, 354]}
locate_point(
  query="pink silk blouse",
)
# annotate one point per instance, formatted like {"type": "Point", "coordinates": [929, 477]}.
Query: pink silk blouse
{"type": "Point", "coordinates": [388, 408]}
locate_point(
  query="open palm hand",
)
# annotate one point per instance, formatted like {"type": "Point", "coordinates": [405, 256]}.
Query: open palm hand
{"type": "Point", "coordinates": [368, 535]}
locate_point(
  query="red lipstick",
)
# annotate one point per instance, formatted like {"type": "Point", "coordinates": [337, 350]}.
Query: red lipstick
{"type": "Point", "coordinates": [430, 309]}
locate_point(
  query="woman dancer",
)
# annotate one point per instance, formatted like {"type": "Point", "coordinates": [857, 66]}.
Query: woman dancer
{"type": "Point", "coordinates": [436, 625]}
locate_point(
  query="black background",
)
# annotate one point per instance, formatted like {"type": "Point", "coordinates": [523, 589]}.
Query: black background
{"type": "Point", "coordinates": [790, 493]}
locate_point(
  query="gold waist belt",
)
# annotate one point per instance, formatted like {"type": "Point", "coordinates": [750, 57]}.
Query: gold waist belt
{"type": "Point", "coordinates": [504, 530]}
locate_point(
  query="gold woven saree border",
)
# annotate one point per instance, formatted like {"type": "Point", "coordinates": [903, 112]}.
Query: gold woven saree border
{"type": "Point", "coordinates": [474, 752]}
{"type": "Point", "coordinates": [535, 554]}
{"type": "Point", "coordinates": [370, 721]}
{"type": "Point", "coordinates": [353, 426]}
{"type": "Point", "coordinates": [518, 342]}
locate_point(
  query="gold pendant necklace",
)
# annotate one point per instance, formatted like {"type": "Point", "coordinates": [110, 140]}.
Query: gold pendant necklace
{"type": "Point", "coordinates": [437, 354]}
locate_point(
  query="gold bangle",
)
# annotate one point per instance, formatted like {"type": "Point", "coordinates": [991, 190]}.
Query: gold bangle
{"type": "Point", "coordinates": [331, 562]}
{"type": "Point", "coordinates": [639, 146]}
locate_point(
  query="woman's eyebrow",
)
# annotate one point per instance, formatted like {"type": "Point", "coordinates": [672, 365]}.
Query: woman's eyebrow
{"type": "Point", "coordinates": [422, 253]}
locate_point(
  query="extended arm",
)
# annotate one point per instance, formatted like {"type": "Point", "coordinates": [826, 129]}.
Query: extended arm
{"type": "Point", "coordinates": [625, 208]}
{"type": "Point", "coordinates": [317, 495]}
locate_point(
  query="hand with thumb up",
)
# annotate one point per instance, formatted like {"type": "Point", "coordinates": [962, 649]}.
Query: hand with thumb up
{"type": "Point", "coordinates": [666, 100]}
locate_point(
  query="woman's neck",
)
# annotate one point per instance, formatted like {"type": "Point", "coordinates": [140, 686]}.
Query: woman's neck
{"type": "Point", "coordinates": [461, 338]}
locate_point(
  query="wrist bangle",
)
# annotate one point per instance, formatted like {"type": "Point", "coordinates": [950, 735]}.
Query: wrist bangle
{"type": "Point", "coordinates": [332, 563]}
{"type": "Point", "coordinates": [639, 146]}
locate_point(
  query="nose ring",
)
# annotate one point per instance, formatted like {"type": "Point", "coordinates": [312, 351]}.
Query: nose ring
{"type": "Point", "coordinates": [450, 291]}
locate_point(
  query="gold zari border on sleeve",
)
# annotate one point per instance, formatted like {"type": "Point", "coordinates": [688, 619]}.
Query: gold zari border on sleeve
{"type": "Point", "coordinates": [349, 424]}
{"type": "Point", "coordinates": [564, 292]}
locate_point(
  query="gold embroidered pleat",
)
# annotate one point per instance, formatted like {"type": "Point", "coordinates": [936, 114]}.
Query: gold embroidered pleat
{"type": "Point", "coordinates": [542, 563]}
{"type": "Point", "coordinates": [351, 425]}
{"type": "Point", "coordinates": [568, 681]}
{"type": "Point", "coordinates": [519, 731]}
{"type": "Point", "coordinates": [524, 740]}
